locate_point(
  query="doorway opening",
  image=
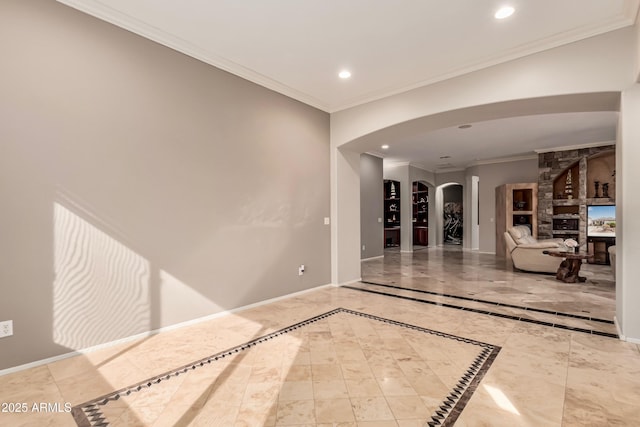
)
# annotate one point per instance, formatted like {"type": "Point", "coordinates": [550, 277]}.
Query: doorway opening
{"type": "Point", "coordinates": [452, 230]}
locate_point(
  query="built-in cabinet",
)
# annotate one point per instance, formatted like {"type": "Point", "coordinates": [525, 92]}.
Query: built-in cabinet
{"type": "Point", "coordinates": [516, 204]}
{"type": "Point", "coordinates": [420, 217]}
{"type": "Point", "coordinates": [391, 213]}
{"type": "Point", "coordinates": [588, 182]}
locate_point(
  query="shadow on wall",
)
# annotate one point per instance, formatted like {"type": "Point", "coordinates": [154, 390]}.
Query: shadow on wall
{"type": "Point", "coordinates": [105, 291]}
{"type": "Point", "coordinates": [101, 290]}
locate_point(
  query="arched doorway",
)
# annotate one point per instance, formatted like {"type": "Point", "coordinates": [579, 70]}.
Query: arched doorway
{"type": "Point", "coordinates": [452, 221]}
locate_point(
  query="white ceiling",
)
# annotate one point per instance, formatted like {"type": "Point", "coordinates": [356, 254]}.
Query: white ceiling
{"type": "Point", "coordinates": [297, 47]}
{"type": "Point", "coordinates": [502, 139]}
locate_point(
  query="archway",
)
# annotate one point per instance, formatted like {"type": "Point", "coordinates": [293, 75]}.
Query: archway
{"type": "Point", "coordinates": [452, 214]}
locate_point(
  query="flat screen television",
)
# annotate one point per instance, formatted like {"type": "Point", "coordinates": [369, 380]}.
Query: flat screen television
{"type": "Point", "coordinates": [601, 221]}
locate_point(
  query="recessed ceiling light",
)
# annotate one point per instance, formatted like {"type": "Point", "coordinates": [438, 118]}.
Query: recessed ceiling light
{"type": "Point", "coordinates": [464, 126]}
{"type": "Point", "coordinates": [385, 147]}
{"type": "Point", "coordinates": [344, 74]}
{"type": "Point", "coordinates": [504, 12]}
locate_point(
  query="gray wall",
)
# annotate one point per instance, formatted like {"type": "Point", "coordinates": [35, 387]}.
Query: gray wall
{"type": "Point", "coordinates": [492, 176]}
{"type": "Point", "coordinates": [457, 177]}
{"type": "Point", "coordinates": [141, 188]}
{"type": "Point", "coordinates": [371, 206]}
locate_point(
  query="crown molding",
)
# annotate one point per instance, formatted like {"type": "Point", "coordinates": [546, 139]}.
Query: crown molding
{"type": "Point", "coordinates": [627, 18]}
{"type": "Point", "coordinates": [374, 154]}
{"type": "Point", "coordinates": [576, 147]}
{"type": "Point", "coordinates": [420, 166]}
{"type": "Point", "coordinates": [449, 170]}
{"type": "Point", "coordinates": [503, 160]}
{"type": "Point", "coordinates": [101, 11]}
{"type": "Point", "coordinates": [392, 164]}
{"type": "Point", "coordinates": [119, 19]}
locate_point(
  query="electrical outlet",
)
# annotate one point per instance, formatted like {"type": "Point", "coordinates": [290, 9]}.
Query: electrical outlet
{"type": "Point", "coordinates": [301, 270]}
{"type": "Point", "coordinates": [363, 247]}
{"type": "Point", "coordinates": [6, 328]}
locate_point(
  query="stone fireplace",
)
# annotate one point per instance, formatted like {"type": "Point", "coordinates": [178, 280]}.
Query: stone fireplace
{"type": "Point", "coordinates": [568, 182]}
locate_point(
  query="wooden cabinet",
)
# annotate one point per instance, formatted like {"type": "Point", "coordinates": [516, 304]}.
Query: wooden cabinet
{"type": "Point", "coordinates": [391, 213]}
{"type": "Point", "coordinates": [599, 248]}
{"type": "Point", "coordinates": [516, 204]}
{"type": "Point", "coordinates": [420, 217]}
{"type": "Point", "coordinates": [420, 236]}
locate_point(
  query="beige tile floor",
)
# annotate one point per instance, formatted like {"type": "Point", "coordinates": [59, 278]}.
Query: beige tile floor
{"type": "Point", "coordinates": [349, 370]}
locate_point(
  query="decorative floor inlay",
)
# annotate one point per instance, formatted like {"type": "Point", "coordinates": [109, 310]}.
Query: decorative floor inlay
{"type": "Point", "coordinates": [490, 313]}
{"type": "Point", "coordinates": [342, 366]}
{"type": "Point", "coordinates": [501, 304]}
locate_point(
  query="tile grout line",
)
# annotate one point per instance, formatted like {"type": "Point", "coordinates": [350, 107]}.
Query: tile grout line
{"type": "Point", "coordinates": [89, 414]}
{"type": "Point", "coordinates": [566, 381]}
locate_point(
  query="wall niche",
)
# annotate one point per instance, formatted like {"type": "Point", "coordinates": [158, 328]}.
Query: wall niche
{"type": "Point", "coordinates": [601, 174]}
{"type": "Point", "coordinates": [569, 181]}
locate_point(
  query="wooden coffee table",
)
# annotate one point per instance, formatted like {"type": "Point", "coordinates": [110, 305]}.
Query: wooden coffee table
{"type": "Point", "coordinates": [569, 269]}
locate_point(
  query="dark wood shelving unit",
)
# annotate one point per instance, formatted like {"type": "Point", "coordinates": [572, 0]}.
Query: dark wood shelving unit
{"type": "Point", "coordinates": [391, 213]}
{"type": "Point", "coordinates": [420, 218]}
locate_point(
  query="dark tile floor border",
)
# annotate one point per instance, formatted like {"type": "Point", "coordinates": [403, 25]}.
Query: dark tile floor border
{"type": "Point", "coordinates": [537, 310]}
{"type": "Point", "coordinates": [89, 414]}
{"type": "Point", "coordinates": [487, 312]}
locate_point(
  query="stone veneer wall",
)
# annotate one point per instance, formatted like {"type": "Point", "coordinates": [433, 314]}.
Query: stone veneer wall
{"type": "Point", "coordinates": [550, 166]}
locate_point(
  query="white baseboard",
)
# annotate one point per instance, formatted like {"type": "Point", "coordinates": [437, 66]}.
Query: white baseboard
{"type": "Point", "coordinates": [373, 257]}
{"type": "Point", "coordinates": [350, 282]}
{"type": "Point", "coordinates": [618, 330]}
{"type": "Point", "coordinates": [157, 331]}
{"type": "Point", "coordinates": [622, 337]}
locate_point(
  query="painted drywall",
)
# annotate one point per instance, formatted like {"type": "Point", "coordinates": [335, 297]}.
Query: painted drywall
{"type": "Point", "coordinates": [141, 187]}
{"type": "Point", "coordinates": [598, 64]}
{"type": "Point", "coordinates": [456, 177]}
{"type": "Point", "coordinates": [628, 206]}
{"type": "Point", "coordinates": [583, 76]}
{"type": "Point", "coordinates": [345, 169]}
{"type": "Point", "coordinates": [472, 230]}
{"type": "Point", "coordinates": [491, 176]}
{"type": "Point", "coordinates": [637, 51]}
{"type": "Point", "coordinates": [371, 206]}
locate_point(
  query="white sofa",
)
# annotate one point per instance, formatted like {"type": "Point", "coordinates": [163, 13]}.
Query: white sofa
{"type": "Point", "coordinates": [529, 254]}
